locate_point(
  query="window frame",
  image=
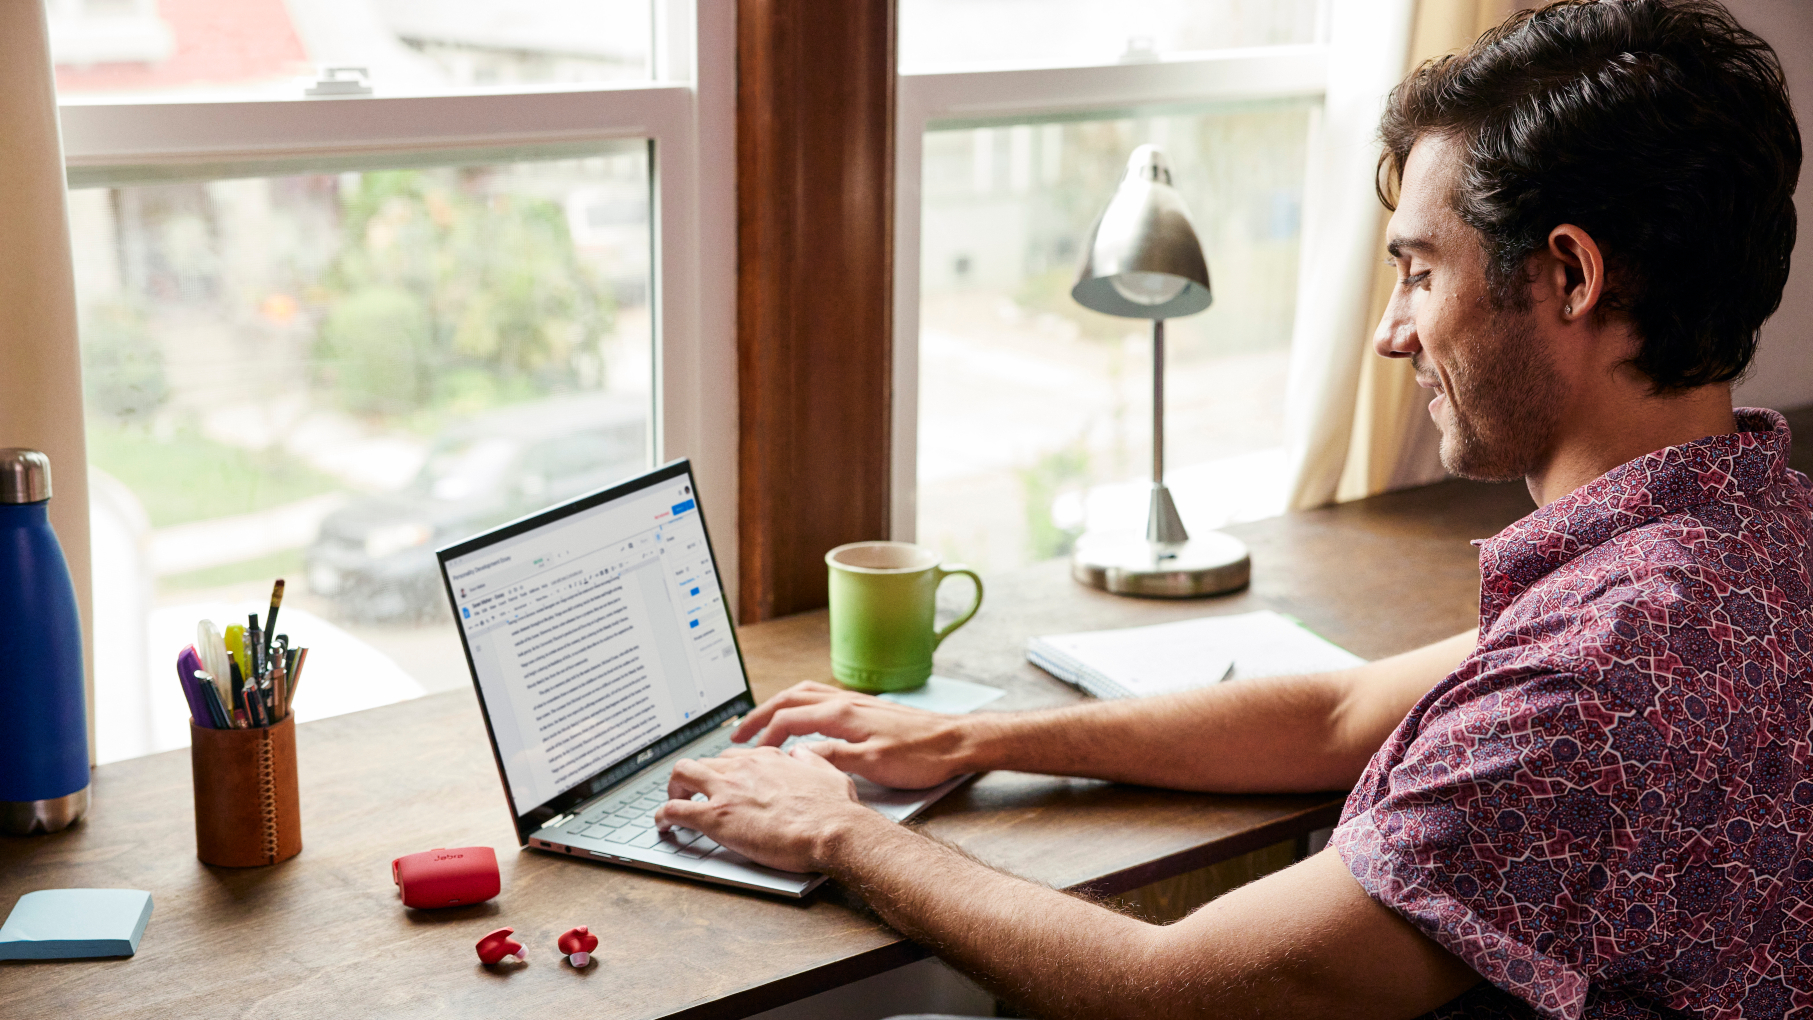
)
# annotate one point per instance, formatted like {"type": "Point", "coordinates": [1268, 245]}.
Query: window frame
{"type": "Point", "coordinates": [996, 98]}
{"type": "Point", "coordinates": [687, 111]}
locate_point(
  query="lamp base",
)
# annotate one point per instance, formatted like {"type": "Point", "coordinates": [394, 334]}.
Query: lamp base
{"type": "Point", "coordinates": [1207, 565]}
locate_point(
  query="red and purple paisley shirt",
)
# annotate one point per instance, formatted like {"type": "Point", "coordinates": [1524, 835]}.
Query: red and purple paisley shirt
{"type": "Point", "coordinates": [1607, 810]}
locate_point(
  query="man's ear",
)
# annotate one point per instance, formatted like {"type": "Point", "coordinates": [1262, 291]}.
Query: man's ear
{"type": "Point", "coordinates": [1575, 280]}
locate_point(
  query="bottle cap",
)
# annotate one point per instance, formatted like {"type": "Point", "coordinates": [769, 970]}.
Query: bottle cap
{"type": "Point", "coordinates": [24, 476]}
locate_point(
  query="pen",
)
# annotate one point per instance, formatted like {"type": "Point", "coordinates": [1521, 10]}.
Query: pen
{"type": "Point", "coordinates": [236, 650]}
{"type": "Point", "coordinates": [210, 696]}
{"type": "Point", "coordinates": [237, 684]}
{"type": "Point", "coordinates": [188, 663]}
{"type": "Point", "coordinates": [255, 705]}
{"type": "Point", "coordinates": [280, 673]}
{"type": "Point", "coordinates": [213, 651]}
{"type": "Point", "coordinates": [270, 622]}
{"type": "Point", "coordinates": [254, 645]}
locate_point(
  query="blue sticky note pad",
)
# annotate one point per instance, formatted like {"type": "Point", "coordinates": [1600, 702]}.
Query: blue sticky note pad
{"type": "Point", "coordinates": [71, 924]}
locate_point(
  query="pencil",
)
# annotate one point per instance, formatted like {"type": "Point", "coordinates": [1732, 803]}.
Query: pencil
{"type": "Point", "coordinates": [296, 675]}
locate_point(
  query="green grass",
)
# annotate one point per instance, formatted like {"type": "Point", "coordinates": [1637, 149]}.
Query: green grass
{"type": "Point", "coordinates": [190, 478]}
{"type": "Point", "coordinates": [265, 569]}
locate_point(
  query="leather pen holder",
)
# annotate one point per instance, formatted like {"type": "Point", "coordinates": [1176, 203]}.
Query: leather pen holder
{"type": "Point", "coordinates": [247, 811]}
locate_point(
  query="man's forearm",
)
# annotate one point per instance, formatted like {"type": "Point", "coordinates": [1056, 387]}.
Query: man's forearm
{"type": "Point", "coordinates": [1057, 955]}
{"type": "Point", "coordinates": [1263, 735]}
{"type": "Point", "coordinates": [1271, 735]}
{"type": "Point", "coordinates": [1304, 943]}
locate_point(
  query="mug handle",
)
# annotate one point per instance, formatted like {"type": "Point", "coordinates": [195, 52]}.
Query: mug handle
{"type": "Point", "coordinates": [941, 633]}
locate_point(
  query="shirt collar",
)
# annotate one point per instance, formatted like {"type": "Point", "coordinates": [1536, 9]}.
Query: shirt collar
{"type": "Point", "coordinates": [1667, 481]}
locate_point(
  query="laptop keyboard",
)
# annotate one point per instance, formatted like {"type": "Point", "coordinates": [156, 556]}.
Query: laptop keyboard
{"type": "Point", "coordinates": [627, 816]}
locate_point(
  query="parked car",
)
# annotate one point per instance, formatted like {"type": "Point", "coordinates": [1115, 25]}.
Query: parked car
{"type": "Point", "coordinates": [374, 557]}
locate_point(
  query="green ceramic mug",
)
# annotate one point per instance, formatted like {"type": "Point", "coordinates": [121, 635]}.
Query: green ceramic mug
{"type": "Point", "coordinates": [883, 595]}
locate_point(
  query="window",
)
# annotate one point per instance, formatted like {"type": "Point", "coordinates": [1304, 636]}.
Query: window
{"type": "Point", "coordinates": [322, 336]}
{"type": "Point", "coordinates": [1003, 173]}
{"type": "Point", "coordinates": [943, 35]}
{"type": "Point", "coordinates": [263, 48]}
{"type": "Point", "coordinates": [1063, 393]}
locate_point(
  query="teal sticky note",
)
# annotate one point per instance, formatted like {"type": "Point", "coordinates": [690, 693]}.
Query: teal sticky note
{"type": "Point", "coordinates": [947, 695]}
{"type": "Point", "coordinates": [71, 924]}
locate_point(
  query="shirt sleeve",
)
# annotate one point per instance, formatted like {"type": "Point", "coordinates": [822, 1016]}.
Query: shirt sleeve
{"type": "Point", "coordinates": [1498, 820]}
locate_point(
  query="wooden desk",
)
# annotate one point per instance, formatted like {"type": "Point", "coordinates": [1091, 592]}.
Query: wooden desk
{"type": "Point", "coordinates": [323, 935]}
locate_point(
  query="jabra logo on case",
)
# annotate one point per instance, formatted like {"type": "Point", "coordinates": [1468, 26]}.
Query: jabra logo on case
{"type": "Point", "coordinates": [449, 857]}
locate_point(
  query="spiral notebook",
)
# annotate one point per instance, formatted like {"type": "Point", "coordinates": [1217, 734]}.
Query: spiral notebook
{"type": "Point", "coordinates": [1138, 662]}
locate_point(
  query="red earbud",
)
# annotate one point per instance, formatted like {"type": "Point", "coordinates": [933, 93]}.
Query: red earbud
{"type": "Point", "coordinates": [577, 945]}
{"type": "Point", "coordinates": [498, 947]}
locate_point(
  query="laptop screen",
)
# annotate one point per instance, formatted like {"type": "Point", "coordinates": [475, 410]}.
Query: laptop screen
{"type": "Point", "coordinates": [598, 637]}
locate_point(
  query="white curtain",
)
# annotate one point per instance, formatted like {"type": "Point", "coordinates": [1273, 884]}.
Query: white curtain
{"type": "Point", "coordinates": [41, 377]}
{"type": "Point", "coordinates": [1355, 424]}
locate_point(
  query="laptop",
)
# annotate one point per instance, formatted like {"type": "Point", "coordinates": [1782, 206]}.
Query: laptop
{"type": "Point", "coordinates": [600, 642]}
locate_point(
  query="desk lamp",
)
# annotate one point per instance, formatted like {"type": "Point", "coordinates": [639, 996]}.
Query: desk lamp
{"type": "Point", "coordinates": [1143, 262]}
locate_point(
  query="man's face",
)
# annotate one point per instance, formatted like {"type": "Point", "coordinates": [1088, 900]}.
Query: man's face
{"type": "Point", "coordinates": [1498, 396]}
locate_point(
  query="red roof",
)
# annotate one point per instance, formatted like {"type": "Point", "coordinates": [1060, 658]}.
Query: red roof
{"type": "Point", "coordinates": [218, 42]}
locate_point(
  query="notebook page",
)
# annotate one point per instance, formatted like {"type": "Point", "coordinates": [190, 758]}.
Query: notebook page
{"type": "Point", "coordinates": [1195, 653]}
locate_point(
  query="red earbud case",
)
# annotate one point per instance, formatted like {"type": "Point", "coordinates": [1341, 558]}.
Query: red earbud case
{"type": "Point", "coordinates": [446, 878]}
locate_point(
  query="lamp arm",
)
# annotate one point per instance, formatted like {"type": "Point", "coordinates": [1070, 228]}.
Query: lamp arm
{"type": "Point", "coordinates": [1163, 525]}
{"type": "Point", "coordinates": [1158, 401]}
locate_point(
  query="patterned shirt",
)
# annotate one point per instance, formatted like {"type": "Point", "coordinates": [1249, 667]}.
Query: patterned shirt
{"type": "Point", "coordinates": [1607, 810]}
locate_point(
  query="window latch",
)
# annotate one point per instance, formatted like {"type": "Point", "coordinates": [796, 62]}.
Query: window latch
{"type": "Point", "coordinates": [341, 81]}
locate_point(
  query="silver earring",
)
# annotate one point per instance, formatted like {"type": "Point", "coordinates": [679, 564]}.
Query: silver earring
{"type": "Point", "coordinates": [1567, 309]}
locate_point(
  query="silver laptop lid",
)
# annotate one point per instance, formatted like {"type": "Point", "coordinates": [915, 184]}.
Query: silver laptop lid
{"type": "Point", "coordinates": [598, 637]}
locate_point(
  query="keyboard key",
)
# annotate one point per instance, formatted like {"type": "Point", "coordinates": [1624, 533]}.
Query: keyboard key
{"type": "Point", "coordinates": [597, 831]}
{"type": "Point", "coordinates": [728, 856]}
{"type": "Point", "coordinates": [647, 838]}
{"type": "Point", "coordinates": [623, 835]}
{"type": "Point", "coordinates": [667, 846]}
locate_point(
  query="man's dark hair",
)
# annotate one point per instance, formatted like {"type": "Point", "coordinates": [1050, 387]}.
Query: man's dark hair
{"type": "Point", "coordinates": [1660, 127]}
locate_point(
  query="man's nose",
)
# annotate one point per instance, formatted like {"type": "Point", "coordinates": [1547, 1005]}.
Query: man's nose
{"type": "Point", "coordinates": [1396, 336]}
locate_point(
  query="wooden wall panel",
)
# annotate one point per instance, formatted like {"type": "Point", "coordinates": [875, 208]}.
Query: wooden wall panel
{"type": "Point", "coordinates": [815, 158]}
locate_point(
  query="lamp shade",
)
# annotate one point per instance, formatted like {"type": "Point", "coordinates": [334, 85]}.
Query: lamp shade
{"type": "Point", "coordinates": [1143, 260]}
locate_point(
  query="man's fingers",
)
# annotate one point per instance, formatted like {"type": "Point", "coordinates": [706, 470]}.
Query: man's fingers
{"type": "Point", "coordinates": [833, 717]}
{"type": "Point", "coordinates": [684, 813]}
{"type": "Point", "coordinates": [690, 777]}
{"type": "Point", "coordinates": [798, 694]}
{"type": "Point", "coordinates": [836, 753]}
{"type": "Point", "coordinates": [821, 754]}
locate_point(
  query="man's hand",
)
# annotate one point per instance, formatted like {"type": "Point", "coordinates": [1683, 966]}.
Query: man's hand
{"type": "Point", "coordinates": [885, 743]}
{"type": "Point", "coordinates": [779, 809]}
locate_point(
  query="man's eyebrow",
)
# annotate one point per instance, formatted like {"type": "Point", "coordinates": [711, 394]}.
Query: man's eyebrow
{"type": "Point", "coordinates": [1399, 245]}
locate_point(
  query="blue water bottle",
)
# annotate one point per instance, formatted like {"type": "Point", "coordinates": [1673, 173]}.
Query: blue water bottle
{"type": "Point", "coordinates": [43, 709]}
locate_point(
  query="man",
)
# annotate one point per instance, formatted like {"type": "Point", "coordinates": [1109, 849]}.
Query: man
{"type": "Point", "coordinates": [1598, 803]}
